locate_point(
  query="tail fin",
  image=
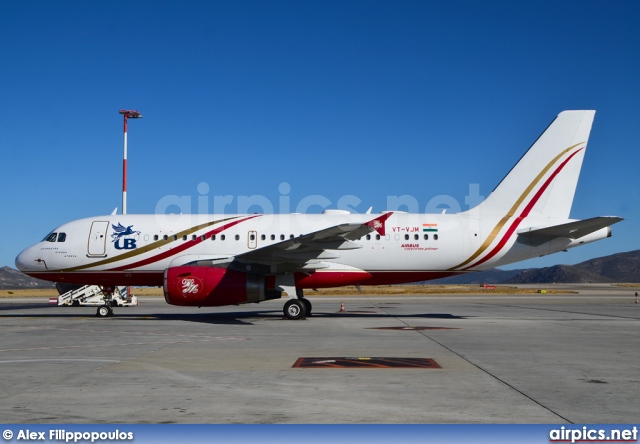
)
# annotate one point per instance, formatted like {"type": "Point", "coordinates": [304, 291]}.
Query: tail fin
{"type": "Point", "coordinates": [544, 180]}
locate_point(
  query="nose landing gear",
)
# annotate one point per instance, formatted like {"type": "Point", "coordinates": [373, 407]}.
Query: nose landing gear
{"type": "Point", "coordinates": [104, 311]}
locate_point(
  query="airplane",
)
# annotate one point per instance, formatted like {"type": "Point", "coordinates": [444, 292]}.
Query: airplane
{"type": "Point", "coordinates": [231, 259]}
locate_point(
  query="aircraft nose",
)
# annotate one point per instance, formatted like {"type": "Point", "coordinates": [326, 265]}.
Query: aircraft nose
{"type": "Point", "coordinates": [27, 260]}
{"type": "Point", "coordinates": [21, 260]}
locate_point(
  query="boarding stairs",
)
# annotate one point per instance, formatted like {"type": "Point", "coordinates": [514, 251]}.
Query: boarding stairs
{"type": "Point", "coordinates": [94, 295]}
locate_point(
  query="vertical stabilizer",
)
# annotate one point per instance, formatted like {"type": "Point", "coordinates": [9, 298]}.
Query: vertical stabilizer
{"type": "Point", "coordinates": [544, 181]}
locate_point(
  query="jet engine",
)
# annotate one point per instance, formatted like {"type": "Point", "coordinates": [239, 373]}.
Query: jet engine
{"type": "Point", "coordinates": [211, 287]}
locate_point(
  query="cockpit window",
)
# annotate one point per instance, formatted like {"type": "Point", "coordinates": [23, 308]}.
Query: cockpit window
{"type": "Point", "coordinates": [51, 237]}
{"type": "Point", "coordinates": [62, 237]}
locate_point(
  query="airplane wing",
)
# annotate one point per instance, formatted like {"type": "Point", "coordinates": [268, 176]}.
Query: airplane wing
{"type": "Point", "coordinates": [571, 230]}
{"type": "Point", "coordinates": [303, 252]}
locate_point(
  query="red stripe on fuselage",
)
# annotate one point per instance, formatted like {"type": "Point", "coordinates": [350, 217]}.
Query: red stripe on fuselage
{"type": "Point", "coordinates": [105, 278]}
{"type": "Point", "coordinates": [329, 279]}
{"type": "Point", "coordinates": [186, 245]}
{"type": "Point", "coordinates": [324, 279]}
{"type": "Point", "coordinates": [525, 213]}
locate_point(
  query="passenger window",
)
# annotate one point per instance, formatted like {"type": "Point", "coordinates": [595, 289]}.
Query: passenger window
{"type": "Point", "coordinates": [213, 237]}
{"type": "Point", "coordinates": [62, 237]}
{"type": "Point", "coordinates": [406, 237]}
{"type": "Point", "coordinates": [263, 237]}
{"type": "Point", "coordinates": [426, 237]}
{"type": "Point", "coordinates": [368, 237]}
{"type": "Point", "coordinates": [184, 238]}
{"type": "Point", "coordinates": [291, 236]}
{"type": "Point", "coordinates": [282, 237]}
{"type": "Point", "coordinates": [51, 237]}
{"type": "Point", "coordinates": [194, 237]}
{"type": "Point", "coordinates": [237, 237]}
{"type": "Point", "coordinates": [377, 237]}
{"type": "Point", "coordinates": [222, 237]}
{"type": "Point", "coordinates": [155, 237]}
{"type": "Point", "coordinates": [204, 237]}
{"type": "Point", "coordinates": [165, 237]}
{"type": "Point", "coordinates": [252, 237]}
{"type": "Point", "coordinates": [273, 237]}
{"type": "Point", "coordinates": [416, 237]}
{"type": "Point", "coordinates": [175, 237]}
{"type": "Point", "coordinates": [435, 237]}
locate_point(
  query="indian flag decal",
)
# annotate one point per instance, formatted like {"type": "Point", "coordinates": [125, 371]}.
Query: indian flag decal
{"type": "Point", "coordinates": [429, 228]}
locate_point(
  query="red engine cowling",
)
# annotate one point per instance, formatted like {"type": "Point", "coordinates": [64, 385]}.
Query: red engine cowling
{"type": "Point", "coordinates": [212, 287]}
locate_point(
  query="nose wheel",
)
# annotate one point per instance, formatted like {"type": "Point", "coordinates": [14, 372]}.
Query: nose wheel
{"type": "Point", "coordinates": [104, 311]}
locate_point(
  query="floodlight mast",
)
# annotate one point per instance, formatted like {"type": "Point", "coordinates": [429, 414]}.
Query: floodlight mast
{"type": "Point", "coordinates": [133, 114]}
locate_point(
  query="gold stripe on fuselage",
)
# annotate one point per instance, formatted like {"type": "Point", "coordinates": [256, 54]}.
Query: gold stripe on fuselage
{"type": "Point", "coordinates": [513, 209]}
{"type": "Point", "coordinates": [146, 249]}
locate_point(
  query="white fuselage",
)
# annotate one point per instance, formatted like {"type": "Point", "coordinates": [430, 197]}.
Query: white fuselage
{"type": "Point", "coordinates": [414, 247]}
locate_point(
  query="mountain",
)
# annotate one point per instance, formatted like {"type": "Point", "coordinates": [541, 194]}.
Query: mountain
{"type": "Point", "coordinates": [558, 274]}
{"type": "Point", "coordinates": [11, 279]}
{"type": "Point", "coordinates": [620, 267]}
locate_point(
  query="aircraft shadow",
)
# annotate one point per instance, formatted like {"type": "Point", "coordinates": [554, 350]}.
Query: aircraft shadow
{"type": "Point", "coordinates": [25, 306]}
{"type": "Point", "coordinates": [9, 311]}
{"type": "Point", "coordinates": [226, 318]}
{"type": "Point", "coordinates": [246, 317]}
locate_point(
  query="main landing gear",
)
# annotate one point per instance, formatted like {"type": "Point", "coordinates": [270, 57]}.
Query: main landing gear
{"type": "Point", "coordinates": [296, 309]}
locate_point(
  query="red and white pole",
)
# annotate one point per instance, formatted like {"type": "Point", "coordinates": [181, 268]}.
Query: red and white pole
{"type": "Point", "coordinates": [124, 170]}
{"type": "Point", "coordinates": [126, 114]}
{"type": "Point", "coordinates": [134, 115]}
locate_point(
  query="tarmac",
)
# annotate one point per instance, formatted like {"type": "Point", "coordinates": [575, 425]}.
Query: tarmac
{"type": "Point", "coordinates": [538, 358]}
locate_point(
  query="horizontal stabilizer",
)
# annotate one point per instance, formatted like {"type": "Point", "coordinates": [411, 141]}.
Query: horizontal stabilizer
{"type": "Point", "coordinates": [571, 230]}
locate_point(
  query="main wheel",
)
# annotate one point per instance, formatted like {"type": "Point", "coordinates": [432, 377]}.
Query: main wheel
{"type": "Point", "coordinates": [104, 311]}
{"type": "Point", "coordinates": [294, 309]}
{"type": "Point", "coordinates": [307, 306]}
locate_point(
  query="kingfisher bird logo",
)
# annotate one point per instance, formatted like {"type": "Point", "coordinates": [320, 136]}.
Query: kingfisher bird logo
{"type": "Point", "coordinates": [121, 237]}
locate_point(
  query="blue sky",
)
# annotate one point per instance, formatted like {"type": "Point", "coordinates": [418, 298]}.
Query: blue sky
{"type": "Point", "coordinates": [333, 98]}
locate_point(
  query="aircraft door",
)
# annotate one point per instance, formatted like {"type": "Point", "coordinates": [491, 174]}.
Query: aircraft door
{"type": "Point", "coordinates": [252, 240]}
{"type": "Point", "coordinates": [98, 239]}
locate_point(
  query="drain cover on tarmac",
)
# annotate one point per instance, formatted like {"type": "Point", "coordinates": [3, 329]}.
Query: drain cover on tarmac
{"type": "Point", "coordinates": [365, 363]}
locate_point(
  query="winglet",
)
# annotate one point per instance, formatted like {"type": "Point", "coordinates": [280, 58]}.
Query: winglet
{"type": "Point", "coordinates": [378, 224]}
